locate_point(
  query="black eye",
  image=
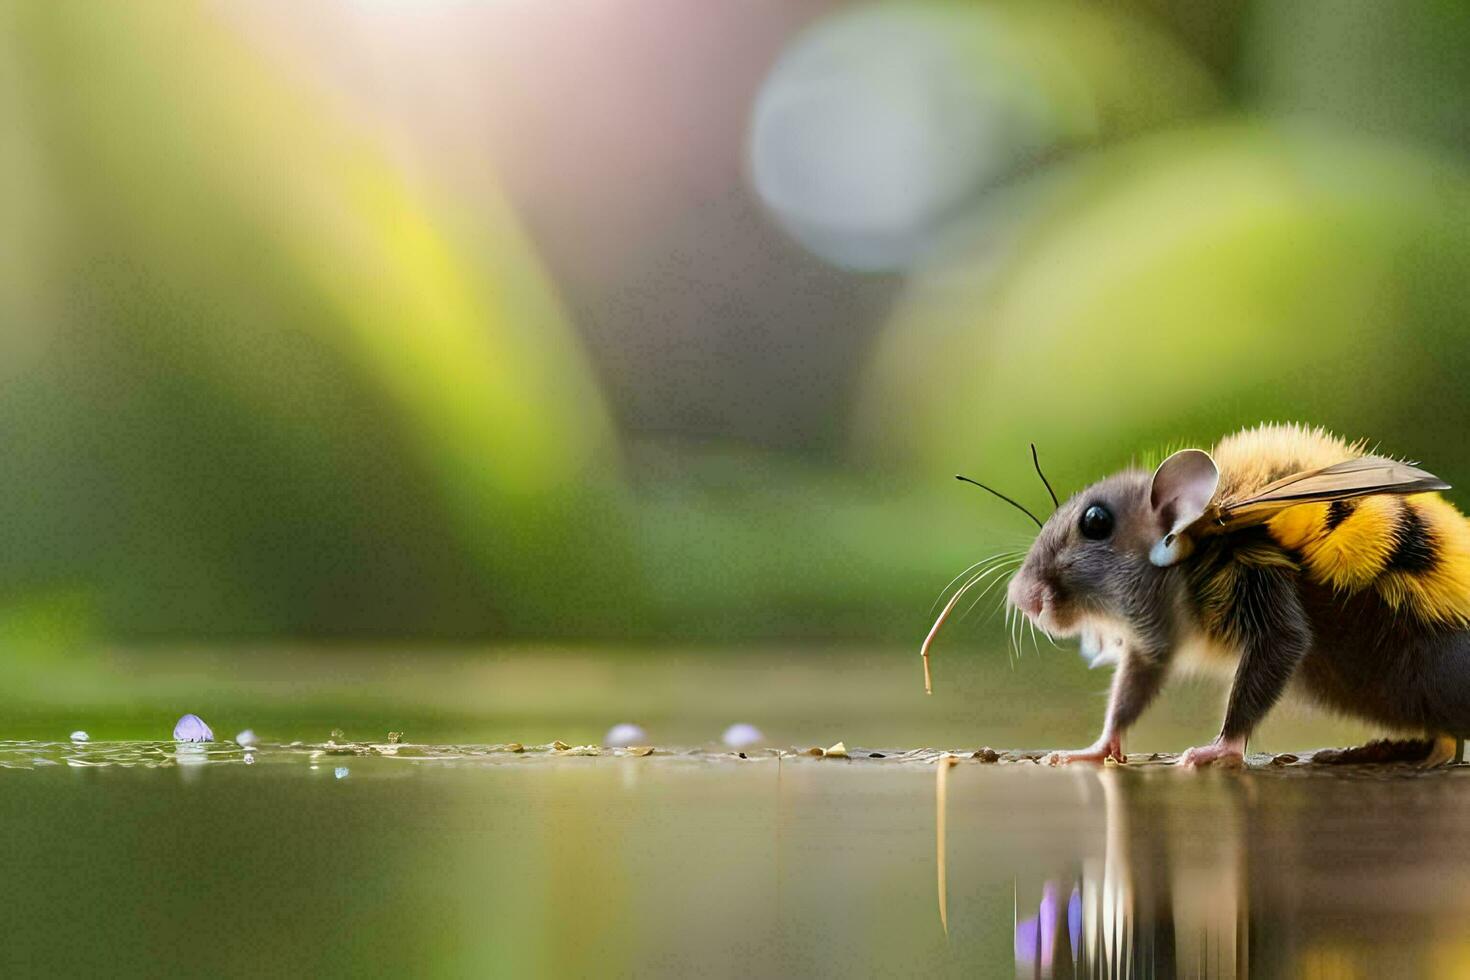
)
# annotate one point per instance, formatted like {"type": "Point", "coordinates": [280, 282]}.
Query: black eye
{"type": "Point", "coordinates": [1096, 523]}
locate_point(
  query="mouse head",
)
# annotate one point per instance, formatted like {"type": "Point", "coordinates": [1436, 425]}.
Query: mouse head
{"type": "Point", "coordinates": [1102, 556]}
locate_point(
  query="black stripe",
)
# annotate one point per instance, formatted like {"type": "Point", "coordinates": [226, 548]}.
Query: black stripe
{"type": "Point", "coordinates": [1339, 511]}
{"type": "Point", "coordinates": [1413, 545]}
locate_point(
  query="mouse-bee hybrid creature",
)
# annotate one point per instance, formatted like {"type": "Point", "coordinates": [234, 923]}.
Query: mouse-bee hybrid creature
{"type": "Point", "coordinates": [1286, 557]}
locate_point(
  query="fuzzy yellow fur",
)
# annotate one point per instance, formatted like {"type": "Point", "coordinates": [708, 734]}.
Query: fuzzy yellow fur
{"type": "Point", "coordinates": [1441, 594]}
{"type": "Point", "coordinates": [1356, 553]}
{"type": "Point", "coordinates": [1252, 458]}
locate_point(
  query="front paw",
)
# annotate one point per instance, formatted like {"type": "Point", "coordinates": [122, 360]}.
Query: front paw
{"type": "Point", "coordinates": [1224, 753]}
{"type": "Point", "coordinates": [1097, 753]}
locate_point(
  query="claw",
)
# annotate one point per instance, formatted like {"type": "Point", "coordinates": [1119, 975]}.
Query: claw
{"type": "Point", "coordinates": [1099, 753]}
{"type": "Point", "coordinates": [1444, 750]}
{"type": "Point", "coordinates": [1221, 752]}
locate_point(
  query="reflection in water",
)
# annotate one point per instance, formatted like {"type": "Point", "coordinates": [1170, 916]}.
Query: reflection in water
{"type": "Point", "coordinates": [1165, 897]}
{"type": "Point", "coordinates": [1037, 937]}
{"type": "Point", "coordinates": [941, 807]}
{"type": "Point", "coordinates": [1148, 872]}
{"type": "Point", "coordinates": [1160, 902]}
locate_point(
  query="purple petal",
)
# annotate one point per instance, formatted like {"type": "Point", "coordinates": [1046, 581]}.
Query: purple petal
{"type": "Point", "coordinates": [191, 728]}
{"type": "Point", "coordinates": [1026, 932]}
{"type": "Point", "coordinates": [1047, 922]}
{"type": "Point", "coordinates": [1074, 921]}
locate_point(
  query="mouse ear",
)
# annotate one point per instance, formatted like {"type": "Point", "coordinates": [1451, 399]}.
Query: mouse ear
{"type": "Point", "coordinates": [1183, 486]}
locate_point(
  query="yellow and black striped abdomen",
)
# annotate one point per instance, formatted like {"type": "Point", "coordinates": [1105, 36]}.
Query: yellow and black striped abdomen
{"type": "Point", "coordinates": [1414, 550]}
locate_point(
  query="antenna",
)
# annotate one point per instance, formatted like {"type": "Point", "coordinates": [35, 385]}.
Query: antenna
{"type": "Point", "coordinates": [1044, 482]}
{"type": "Point", "coordinates": [1002, 496]}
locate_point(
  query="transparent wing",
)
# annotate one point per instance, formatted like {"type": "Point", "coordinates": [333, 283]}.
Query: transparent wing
{"type": "Point", "coordinates": [1361, 477]}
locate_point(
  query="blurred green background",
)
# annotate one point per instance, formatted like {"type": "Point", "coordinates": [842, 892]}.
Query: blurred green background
{"type": "Point", "coordinates": [666, 324]}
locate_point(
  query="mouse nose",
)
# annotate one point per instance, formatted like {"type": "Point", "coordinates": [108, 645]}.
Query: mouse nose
{"type": "Point", "coordinates": [1028, 596]}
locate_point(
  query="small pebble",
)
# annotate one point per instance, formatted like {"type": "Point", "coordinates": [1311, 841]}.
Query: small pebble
{"type": "Point", "coordinates": [623, 735]}
{"type": "Point", "coordinates": [80, 736]}
{"type": "Point", "coordinates": [742, 736]}
{"type": "Point", "coordinates": [191, 728]}
{"type": "Point", "coordinates": [986, 755]}
{"type": "Point", "coordinates": [246, 739]}
{"type": "Point", "coordinates": [341, 772]}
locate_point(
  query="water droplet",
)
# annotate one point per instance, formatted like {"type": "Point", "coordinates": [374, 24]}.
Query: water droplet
{"type": "Point", "coordinates": [80, 736]}
{"type": "Point", "coordinates": [340, 772]}
{"type": "Point", "coordinates": [247, 738]}
{"type": "Point", "coordinates": [742, 736]}
{"type": "Point", "coordinates": [625, 734]}
{"type": "Point", "coordinates": [191, 728]}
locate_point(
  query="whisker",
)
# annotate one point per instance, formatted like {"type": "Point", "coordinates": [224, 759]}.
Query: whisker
{"type": "Point", "coordinates": [998, 558]}
{"type": "Point", "coordinates": [1006, 619]}
{"type": "Point", "coordinates": [1013, 614]}
{"type": "Point", "coordinates": [1004, 601]}
{"type": "Point", "coordinates": [1011, 628]}
{"type": "Point", "coordinates": [943, 616]}
{"type": "Point", "coordinates": [942, 592]}
{"type": "Point", "coordinates": [1001, 577]}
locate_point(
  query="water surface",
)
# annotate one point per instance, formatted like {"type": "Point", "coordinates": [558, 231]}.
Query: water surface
{"type": "Point", "coordinates": [460, 860]}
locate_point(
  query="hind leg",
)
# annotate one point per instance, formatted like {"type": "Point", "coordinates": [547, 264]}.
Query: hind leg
{"type": "Point", "coordinates": [1445, 750]}
{"type": "Point", "coordinates": [1423, 752]}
